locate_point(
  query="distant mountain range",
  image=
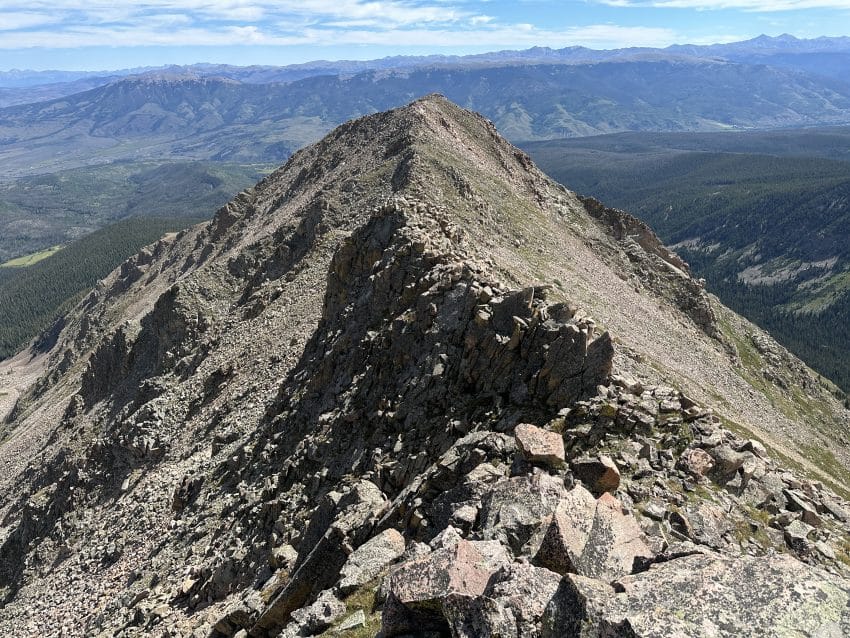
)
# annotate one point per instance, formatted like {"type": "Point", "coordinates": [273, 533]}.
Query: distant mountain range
{"type": "Point", "coordinates": [748, 51]}
{"type": "Point", "coordinates": [253, 115]}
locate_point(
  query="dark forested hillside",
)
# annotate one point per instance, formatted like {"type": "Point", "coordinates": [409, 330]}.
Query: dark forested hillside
{"type": "Point", "coordinates": [768, 232]}
{"type": "Point", "coordinates": [32, 298]}
{"type": "Point", "coordinates": [831, 142]}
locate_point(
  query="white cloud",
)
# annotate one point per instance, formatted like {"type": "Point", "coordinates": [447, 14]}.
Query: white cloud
{"type": "Point", "coordinates": [79, 23]}
{"type": "Point", "coordinates": [437, 23]}
{"type": "Point", "coordinates": [15, 20]}
{"type": "Point", "coordinates": [476, 20]}
{"type": "Point", "coordinates": [598, 36]}
{"type": "Point", "coordinates": [390, 11]}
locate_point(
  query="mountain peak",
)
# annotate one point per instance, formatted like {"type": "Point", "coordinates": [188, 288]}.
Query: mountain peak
{"type": "Point", "coordinates": [405, 355]}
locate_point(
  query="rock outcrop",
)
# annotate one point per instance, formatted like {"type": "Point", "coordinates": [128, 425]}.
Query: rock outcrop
{"type": "Point", "coordinates": [369, 395]}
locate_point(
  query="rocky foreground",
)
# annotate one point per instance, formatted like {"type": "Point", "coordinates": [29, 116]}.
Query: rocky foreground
{"type": "Point", "coordinates": [355, 404]}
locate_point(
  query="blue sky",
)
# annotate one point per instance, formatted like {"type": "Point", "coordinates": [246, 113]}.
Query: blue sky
{"type": "Point", "coordinates": [99, 35]}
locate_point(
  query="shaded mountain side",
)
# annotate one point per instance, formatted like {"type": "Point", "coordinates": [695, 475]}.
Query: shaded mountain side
{"type": "Point", "coordinates": [183, 117]}
{"type": "Point", "coordinates": [408, 347]}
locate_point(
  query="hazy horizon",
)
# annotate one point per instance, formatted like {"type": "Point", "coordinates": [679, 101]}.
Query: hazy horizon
{"type": "Point", "coordinates": [70, 35]}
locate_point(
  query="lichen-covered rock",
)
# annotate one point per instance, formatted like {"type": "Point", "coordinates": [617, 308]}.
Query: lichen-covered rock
{"type": "Point", "coordinates": [799, 503]}
{"type": "Point", "coordinates": [728, 461]}
{"type": "Point", "coordinates": [614, 542]}
{"type": "Point", "coordinates": [797, 536]}
{"type": "Point", "coordinates": [370, 559]}
{"type": "Point", "coordinates": [511, 606]}
{"type": "Point", "coordinates": [566, 531]}
{"type": "Point", "coordinates": [705, 595]}
{"type": "Point", "coordinates": [707, 524]}
{"type": "Point", "coordinates": [315, 618]}
{"type": "Point", "coordinates": [514, 508]}
{"type": "Point", "coordinates": [416, 589]}
{"type": "Point", "coordinates": [697, 462]}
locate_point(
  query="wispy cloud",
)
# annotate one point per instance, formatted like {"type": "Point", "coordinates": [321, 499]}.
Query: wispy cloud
{"type": "Point", "coordinates": [522, 35]}
{"type": "Point", "coordinates": [16, 20]}
{"type": "Point", "coordinates": [389, 12]}
{"type": "Point", "coordinates": [439, 23]}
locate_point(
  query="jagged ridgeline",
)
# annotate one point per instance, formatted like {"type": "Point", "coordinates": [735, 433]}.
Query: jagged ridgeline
{"type": "Point", "coordinates": [408, 384]}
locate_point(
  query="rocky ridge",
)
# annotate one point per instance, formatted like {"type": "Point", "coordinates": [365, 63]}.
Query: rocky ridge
{"type": "Point", "coordinates": [363, 399]}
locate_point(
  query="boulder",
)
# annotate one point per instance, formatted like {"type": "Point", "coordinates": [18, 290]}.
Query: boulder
{"type": "Point", "coordinates": [459, 570]}
{"type": "Point", "coordinates": [728, 461]}
{"type": "Point", "coordinates": [614, 542]}
{"type": "Point", "coordinates": [797, 536]}
{"type": "Point", "coordinates": [417, 589]}
{"type": "Point", "coordinates": [799, 503]}
{"type": "Point", "coordinates": [474, 617]}
{"type": "Point", "coordinates": [512, 605]}
{"type": "Point", "coordinates": [526, 590]}
{"type": "Point", "coordinates": [599, 474]}
{"type": "Point", "coordinates": [835, 510]}
{"type": "Point", "coordinates": [566, 532]}
{"type": "Point", "coordinates": [493, 553]}
{"type": "Point", "coordinates": [315, 618]}
{"type": "Point", "coordinates": [705, 595]}
{"type": "Point", "coordinates": [708, 524]}
{"type": "Point", "coordinates": [540, 446]}
{"type": "Point", "coordinates": [696, 462]}
{"type": "Point", "coordinates": [369, 560]}
{"type": "Point", "coordinates": [513, 509]}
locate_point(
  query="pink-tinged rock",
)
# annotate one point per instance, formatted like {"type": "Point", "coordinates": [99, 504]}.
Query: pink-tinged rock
{"type": "Point", "coordinates": [513, 509]}
{"type": "Point", "coordinates": [599, 474]}
{"type": "Point", "coordinates": [697, 462]}
{"type": "Point", "coordinates": [614, 541]}
{"type": "Point", "coordinates": [459, 570]}
{"type": "Point", "coordinates": [540, 446]}
{"type": "Point", "coordinates": [512, 606]}
{"type": "Point", "coordinates": [566, 532]}
{"type": "Point", "coordinates": [418, 589]}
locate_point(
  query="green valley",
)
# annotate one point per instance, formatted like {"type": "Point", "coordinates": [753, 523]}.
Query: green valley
{"type": "Point", "coordinates": [42, 211]}
{"type": "Point", "coordinates": [762, 216]}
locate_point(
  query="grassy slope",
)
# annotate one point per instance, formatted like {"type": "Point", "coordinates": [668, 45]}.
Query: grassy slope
{"type": "Point", "coordinates": [32, 259]}
{"type": "Point", "coordinates": [32, 298]}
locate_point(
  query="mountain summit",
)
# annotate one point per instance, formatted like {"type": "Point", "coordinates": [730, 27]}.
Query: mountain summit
{"type": "Point", "coordinates": [409, 384]}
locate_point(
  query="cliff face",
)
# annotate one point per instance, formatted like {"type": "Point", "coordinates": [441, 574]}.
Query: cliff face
{"type": "Point", "coordinates": [407, 383]}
